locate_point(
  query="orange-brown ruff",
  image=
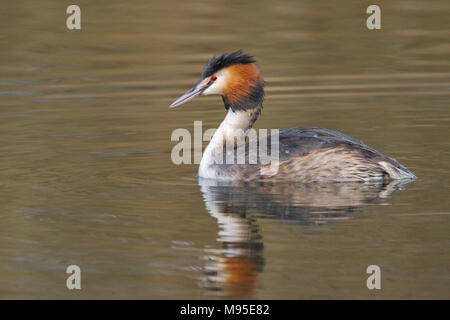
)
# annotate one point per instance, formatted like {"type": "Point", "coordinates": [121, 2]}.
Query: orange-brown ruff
{"type": "Point", "coordinates": [306, 154]}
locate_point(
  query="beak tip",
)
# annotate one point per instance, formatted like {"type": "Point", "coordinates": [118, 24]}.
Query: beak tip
{"type": "Point", "coordinates": [189, 95]}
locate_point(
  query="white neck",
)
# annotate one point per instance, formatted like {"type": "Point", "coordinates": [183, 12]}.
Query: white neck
{"type": "Point", "coordinates": [235, 125]}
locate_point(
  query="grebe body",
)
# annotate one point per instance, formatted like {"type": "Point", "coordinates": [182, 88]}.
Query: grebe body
{"type": "Point", "coordinates": [305, 154]}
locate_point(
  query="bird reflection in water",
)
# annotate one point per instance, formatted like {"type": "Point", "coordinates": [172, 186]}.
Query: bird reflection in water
{"type": "Point", "coordinates": [234, 269]}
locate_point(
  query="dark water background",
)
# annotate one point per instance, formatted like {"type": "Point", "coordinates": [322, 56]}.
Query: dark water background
{"type": "Point", "coordinates": [85, 170]}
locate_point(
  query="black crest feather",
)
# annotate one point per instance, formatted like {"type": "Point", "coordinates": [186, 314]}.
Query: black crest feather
{"type": "Point", "coordinates": [225, 60]}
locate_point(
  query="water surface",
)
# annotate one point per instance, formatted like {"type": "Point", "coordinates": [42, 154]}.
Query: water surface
{"type": "Point", "coordinates": [86, 176]}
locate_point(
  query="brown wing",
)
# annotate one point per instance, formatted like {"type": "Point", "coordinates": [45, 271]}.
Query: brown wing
{"type": "Point", "coordinates": [310, 154]}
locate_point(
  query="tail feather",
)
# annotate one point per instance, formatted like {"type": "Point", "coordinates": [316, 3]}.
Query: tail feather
{"type": "Point", "coordinates": [395, 172]}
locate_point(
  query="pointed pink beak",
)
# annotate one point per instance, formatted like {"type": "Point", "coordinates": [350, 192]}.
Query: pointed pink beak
{"type": "Point", "coordinates": [189, 95]}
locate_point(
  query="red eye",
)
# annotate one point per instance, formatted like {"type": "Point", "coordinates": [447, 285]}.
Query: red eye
{"type": "Point", "coordinates": [213, 78]}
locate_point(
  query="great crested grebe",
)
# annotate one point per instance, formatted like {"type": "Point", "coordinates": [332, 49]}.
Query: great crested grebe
{"type": "Point", "coordinates": [306, 154]}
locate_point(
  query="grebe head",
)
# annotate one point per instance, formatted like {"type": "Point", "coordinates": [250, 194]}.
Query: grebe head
{"type": "Point", "coordinates": [235, 77]}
